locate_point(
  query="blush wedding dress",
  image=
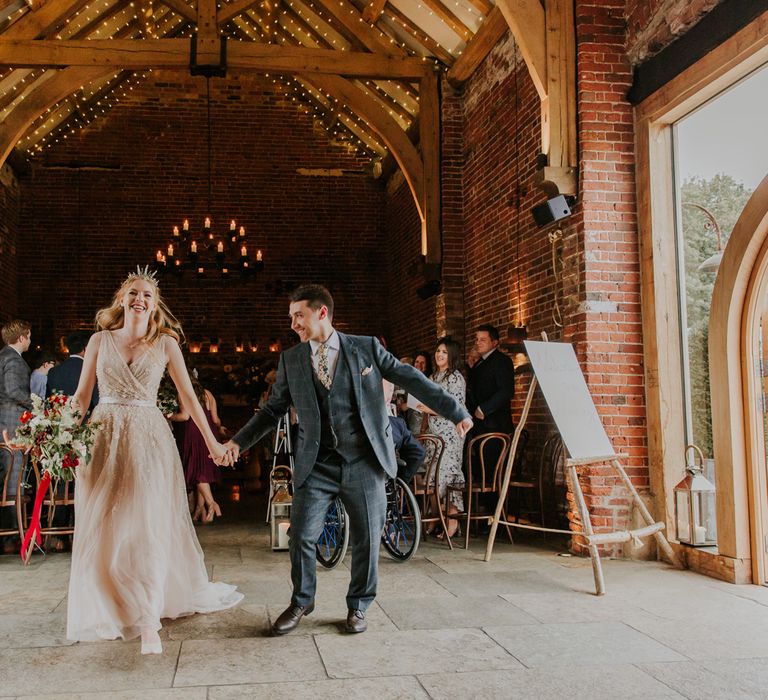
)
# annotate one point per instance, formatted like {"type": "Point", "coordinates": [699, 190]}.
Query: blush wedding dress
{"type": "Point", "coordinates": [135, 555]}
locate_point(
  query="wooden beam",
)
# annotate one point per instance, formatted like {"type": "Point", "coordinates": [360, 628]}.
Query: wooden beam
{"type": "Point", "coordinates": [181, 8]}
{"type": "Point", "coordinates": [429, 140]}
{"type": "Point", "coordinates": [393, 136]}
{"type": "Point", "coordinates": [144, 13]}
{"type": "Point", "coordinates": [208, 37]}
{"type": "Point", "coordinates": [51, 92]}
{"type": "Point", "coordinates": [527, 22]}
{"type": "Point", "coordinates": [234, 9]}
{"type": "Point", "coordinates": [494, 27]}
{"type": "Point", "coordinates": [43, 22]}
{"type": "Point", "coordinates": [174, 53]}
{"type": "Point", "coordinates": [561, 103]}
{"type": "Point", "coordinates": [349, 17]}
{"type": "Point", "coordinates": [421, 36]}
{"type": "Point", "coordinates": [388, 163]}
{"type": "Point", "coordinates": [483, 5]}
{"type": "Point", "coordinates": [373, 10]}
{"type": "Point", "coordinates": [449, 18]}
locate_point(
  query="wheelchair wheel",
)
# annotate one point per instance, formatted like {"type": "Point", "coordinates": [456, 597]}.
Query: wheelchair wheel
{"type": "Point", "coordinates": [402, 529]}
{"type": "Point", "coordinates": [332, 545]}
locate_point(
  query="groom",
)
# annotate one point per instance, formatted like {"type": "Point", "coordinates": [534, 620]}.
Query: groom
{"type": "Point", "coordinates": [344, 447]}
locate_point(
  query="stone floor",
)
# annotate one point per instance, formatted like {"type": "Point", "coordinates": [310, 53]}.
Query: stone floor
{"type": "Point", "coordinates": [445, 625]}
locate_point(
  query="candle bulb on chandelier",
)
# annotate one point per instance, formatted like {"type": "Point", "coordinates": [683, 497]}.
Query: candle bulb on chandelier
{"type": "Point", "coordinates": [220, 247]}
{"type": "Point", "coordinates": [242, 232]}
{"type": "Point", "coordinates": [207, 223]}
{"type": "Point", "coordinates": [232, 225]}
{"type": "Point", "coordinates": [243, 252]}
{"type": "Point", "coordinates": [175, 231]}
{"type": "Point", "coordinates": [159, 256]}
{"type": "Point", "coordinates": [193, 247]}
{"type": "Point", "coordinates": [186, 224]}
{"type": "Point", "coordinates": [258, 256]}
{"type": "Point", "coordinates": [170, 250]}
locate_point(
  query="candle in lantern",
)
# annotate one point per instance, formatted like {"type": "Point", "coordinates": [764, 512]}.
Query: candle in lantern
{"type": "Point", "coordinates": [232, 225]}
{"type": "Point", "coordinates": [185, 225]}
{"type": "Point", "coordinates": [258, 256]}
{"type": "Point", "coordinates": [220, 247]}
{"type": "Point", "coordinates": [242, 231]}
{"type": "Point", "coordinates": [175, 231]}
{"type": "Point", "coordinates": [243, 252]}
{"type": "Point", "coordinates": [207, 223]}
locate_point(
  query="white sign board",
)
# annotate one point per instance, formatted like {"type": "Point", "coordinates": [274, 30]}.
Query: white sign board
{"type": "Point", "coordinates": [562, 383]}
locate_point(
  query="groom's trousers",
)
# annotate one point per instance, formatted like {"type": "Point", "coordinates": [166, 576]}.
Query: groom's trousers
{"type": "Point", "coordinates": [361, 486]}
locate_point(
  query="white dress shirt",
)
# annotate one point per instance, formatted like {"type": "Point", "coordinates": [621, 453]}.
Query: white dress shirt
{"type": "Point", "coordinates": [334, 348]}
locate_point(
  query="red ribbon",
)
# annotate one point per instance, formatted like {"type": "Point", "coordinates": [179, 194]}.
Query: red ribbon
{"type": "Point", "coordinates": [34, 525]}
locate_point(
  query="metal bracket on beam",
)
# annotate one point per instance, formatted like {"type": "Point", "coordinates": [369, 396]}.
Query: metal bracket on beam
{"type": "Point", "coordinates": [208, 70]}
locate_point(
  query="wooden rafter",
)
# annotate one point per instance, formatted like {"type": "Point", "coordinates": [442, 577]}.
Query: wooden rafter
{"type": "Point", "coordinates": [494, 27]}
{"type": "Point", "coordinates": [483, 5]}
{"type": "Point", "coordinates": [421, 36]}
{"type": "Point", "coordinates": [174, 53]}
{"type": "Point", "coordinates": [349, 17]}
{"type": "Point", "coordinates": [145, 14]}
{"type": "Point", "coordinates": [449, 18]}
{"type": "Point", "coordinates": [181, 8]}
{"type": "Point", "coordinates": [527, 21]}
{"type": "Point", "coordinates": [372, 11]}
{"type": "Point", "coordinates": [395, 110]}
{"type": "Point", "coordinates": [234, 9]}
{"type": "Point", "coordinates": [43, 22]}
{"type": "Point", "coordinates": [429, 140]}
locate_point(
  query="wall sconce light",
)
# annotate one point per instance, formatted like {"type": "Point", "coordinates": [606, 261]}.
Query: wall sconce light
{"type": "Point", "coordinates": [194, 346]}
{"type": "Point", "coordinates": [253, 347]}
{"type": "Point", "coordinates": [239, 345]}
{"type": "Point", "coordinates": [214, 346]}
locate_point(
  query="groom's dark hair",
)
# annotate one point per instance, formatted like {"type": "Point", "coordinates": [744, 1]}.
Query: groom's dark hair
{"type": "Point", "coordinates": [315, 295]}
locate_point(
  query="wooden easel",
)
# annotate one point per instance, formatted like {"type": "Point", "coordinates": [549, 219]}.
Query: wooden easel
{"type": "Point", "coordinates": [593, 540]}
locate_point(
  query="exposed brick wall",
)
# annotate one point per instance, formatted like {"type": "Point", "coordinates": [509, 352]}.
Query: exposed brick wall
{"type": "Point", "coordinates": [607, 322]}
{"type": "Point", "coordinates": [654, 24]}
{"type": "Point", "coordinates": [10, 204]}
{"type": "Point", "coordinates": [149, 159]}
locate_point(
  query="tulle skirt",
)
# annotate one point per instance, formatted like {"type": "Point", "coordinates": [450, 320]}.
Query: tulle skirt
{"type": "Point", "coordinates": [135, 556]}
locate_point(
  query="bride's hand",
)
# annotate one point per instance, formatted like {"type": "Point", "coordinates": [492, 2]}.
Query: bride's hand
{"type": "Point", "coordinates": [220, 455]}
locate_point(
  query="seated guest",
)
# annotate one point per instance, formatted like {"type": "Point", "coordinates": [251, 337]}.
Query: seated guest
{"type": "Point", "coordinates": [409, 450]}
{"type": "Point", "coordinates": [65, 377]}
{"type": "Point", "coordinates": [417, 421]}
{"type": "Point", "coordinates": [39, 376]}
{"type": "Point", "coordinates": [473, 356]}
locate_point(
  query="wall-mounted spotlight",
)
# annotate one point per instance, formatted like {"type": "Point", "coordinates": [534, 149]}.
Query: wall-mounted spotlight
{"type": "Point", "coordinates": [553, 209]}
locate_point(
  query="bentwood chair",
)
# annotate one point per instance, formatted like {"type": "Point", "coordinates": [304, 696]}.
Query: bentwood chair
{"type": "Point", "coordinates": [484, 478]}
{"type": "Point", "coordinates": [17, 500]}
{"type": "Point", "coordinates": [426, 485]}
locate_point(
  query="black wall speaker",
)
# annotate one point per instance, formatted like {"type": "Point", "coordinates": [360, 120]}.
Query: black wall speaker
{"type": "Point", "coordinates": [552, 210]}
{"type": "Point", "coordinates": [429, 289]}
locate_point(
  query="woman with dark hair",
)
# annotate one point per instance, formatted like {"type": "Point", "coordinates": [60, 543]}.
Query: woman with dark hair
{"type": "Point", "coordinates": [448, 375]}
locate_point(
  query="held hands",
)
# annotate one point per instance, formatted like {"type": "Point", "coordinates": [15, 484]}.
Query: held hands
{"type": "Point", "coordinates": [227, 454]}
{"type": "Point", "coordinates": [464, 426]}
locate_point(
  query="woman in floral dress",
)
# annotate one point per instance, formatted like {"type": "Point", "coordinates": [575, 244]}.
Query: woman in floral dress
{"type": "Point", "coordinates": [450, 378]}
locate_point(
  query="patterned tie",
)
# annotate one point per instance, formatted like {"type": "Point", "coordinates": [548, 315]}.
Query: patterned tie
{"type": "Point", "coordinates": [323, 370]}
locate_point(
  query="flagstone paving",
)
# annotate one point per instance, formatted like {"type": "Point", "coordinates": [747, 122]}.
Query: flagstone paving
{"type": "Point", "coordinates": [445, 625]}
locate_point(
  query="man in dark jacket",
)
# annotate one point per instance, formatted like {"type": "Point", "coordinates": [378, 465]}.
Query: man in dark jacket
{"type": "Point", "coordinates": [14, 400]}
{"type": "Point", "coordinates": [65, 377]}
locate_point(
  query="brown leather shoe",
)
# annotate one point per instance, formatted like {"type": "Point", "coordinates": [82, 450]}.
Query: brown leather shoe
{"type": "Point", "coordinates": [355, 622]}
{"type": "Point", "coordinates": [289, 618]}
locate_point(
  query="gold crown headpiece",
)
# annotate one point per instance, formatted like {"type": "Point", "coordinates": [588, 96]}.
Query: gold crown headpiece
{"type": "Point", "coordinates": [143, 274]}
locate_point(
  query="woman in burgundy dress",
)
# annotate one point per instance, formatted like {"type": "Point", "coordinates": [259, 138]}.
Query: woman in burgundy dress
{"type": "Point", "coordinates": [200, 471]}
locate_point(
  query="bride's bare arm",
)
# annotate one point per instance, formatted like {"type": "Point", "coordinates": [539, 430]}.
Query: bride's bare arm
{"type": "Point", "coordinates": [188, 402]}
{"type": "Point", "coordinates": [84, 392]}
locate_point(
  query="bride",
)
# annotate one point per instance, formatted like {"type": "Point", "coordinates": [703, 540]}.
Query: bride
{"type": "Point", "coordinates": [135, 557]}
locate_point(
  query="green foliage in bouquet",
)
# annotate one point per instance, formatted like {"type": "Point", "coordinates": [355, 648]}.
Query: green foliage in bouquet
{"type": "Point", "coordinates": [167, 396]}
{"type": "Point", "coordinates": [52, 433]}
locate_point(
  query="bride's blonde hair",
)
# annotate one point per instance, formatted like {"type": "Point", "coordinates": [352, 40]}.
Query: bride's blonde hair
{"type": "Point", "coordinates": [162, 321]}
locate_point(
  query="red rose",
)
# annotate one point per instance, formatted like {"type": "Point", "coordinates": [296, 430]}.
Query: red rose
{"type": "Point", "coordinates": [27, 416]}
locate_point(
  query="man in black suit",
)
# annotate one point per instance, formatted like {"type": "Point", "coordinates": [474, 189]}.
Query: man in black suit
{"type": "Point", "coordinates": [65, 377]}
{"type": "Point", "coordinates": [490, 388]}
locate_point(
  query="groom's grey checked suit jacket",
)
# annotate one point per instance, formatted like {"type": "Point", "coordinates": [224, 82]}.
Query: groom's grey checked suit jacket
{"type": "Point", "coordinates": [368, 362]}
